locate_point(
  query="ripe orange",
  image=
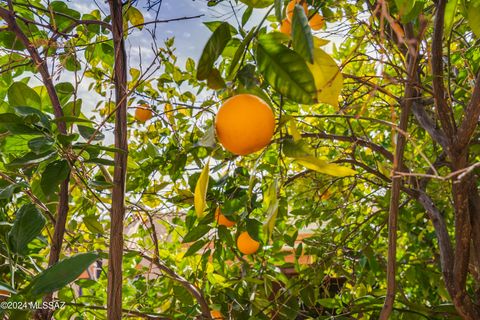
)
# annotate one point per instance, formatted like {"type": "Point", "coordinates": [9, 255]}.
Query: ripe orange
{"type": "Point", "coordinates": [222, 220]}
{"type": "Point", "coordinates": [316, 22]}
{"type": "Point", "coordinates": [291, 6]}
{"type": "Point", "coordinates": [246, 244]}
{"type": "Point", "coordinates": [217, 315]}
{"type": "Point", "coordinates": [244, 124]}
{"type": "Point", "coordinates": [143, 113]}
{"type": "Point", "coordinates": [286, 27]}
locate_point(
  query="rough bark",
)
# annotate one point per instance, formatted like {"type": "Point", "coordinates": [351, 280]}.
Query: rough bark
{"type": "Point", "coordinates": [114, 300]}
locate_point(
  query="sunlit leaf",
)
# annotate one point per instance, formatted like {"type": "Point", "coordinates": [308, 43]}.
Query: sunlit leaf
{"type": "Point", "coordinates": [328, 78]}
{"type": "Point", "coordinates": [298, 150]}
{"type": "Point", "coordinates": [285, 70]}
{"type": "Point", "coordinates": [61, 273]}
{"type": "Point", "coordinates": [201, 191]}
{"type": "Point", "coordinates": [258, 3]}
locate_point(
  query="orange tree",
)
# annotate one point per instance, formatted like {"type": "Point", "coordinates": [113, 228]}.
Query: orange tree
{"type": "Point", "coordinates": [372, 164]}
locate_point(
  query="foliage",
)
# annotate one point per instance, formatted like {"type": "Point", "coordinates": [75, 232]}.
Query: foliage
{"type": "Point", "coordinates": [321, 188]}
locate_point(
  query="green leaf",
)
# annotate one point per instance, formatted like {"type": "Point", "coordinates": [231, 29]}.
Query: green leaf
{"type": "Point", "coordinates": [450, 11]}
{"type": "Point", "coordinates": [41, 144]}
{"type": "Point", "coordinates": [65, 91]}
{"type": "Point", "coordinates": [10, 118]}
{"type": "Point", "coordinates": [285, 70]}
{"type": "Point", "coordinates": [279, 10]}
{"type": "Point", "coordinates": [195, 247]}
{"type": "Point", "coordinates": [473, 12]}
{"type": "Point", "coordinates": [72, 119]}
{"type": "Point", "coordinates": [31, 158]}
{"type": "Point", "coordinates": [61, 273]}
{"type": "Point", "coordinates": [328, 78]}
{"type": "Point", "coordinates": [212, 50]}
{"type": "Point", "coordinates": [92, 224]}
{"type": "Point", "coordinates": [238, 54]}
{"type": "Point", "coordinates": [88, 132]}
{"type": "Point", "coordinates": [196, 233]}
{"type": "Point", "coordinates": [302, 40]}
{"type": "Point", "coordinates": [258, 3]}
{"type": "Point", "coordinates": [20, 94]}
{"type": "Point", "coordinates": [53, 175]}
{"type": "Point", "coordinates": [8, 191]}
{"type": "Point", "coordinates": [246, 15]}
{"type": "Point", "coordinates": [201, 191]}
{"type": "Point", "coordinates": [28, 224]}
{"type": "Point", "coordinates": [272, 210]}
{"type": "Point", "coordinates": [34, 116]}
{"type": "Point", "coordinates": [208, 139]}
{"type": "Point", "coordinates": [215, 80]}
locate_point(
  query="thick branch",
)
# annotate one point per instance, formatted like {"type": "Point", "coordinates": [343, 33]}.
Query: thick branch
{"type": "Point", "coordinates": [470, 118]}
{"type": "Point", "coordinates": [427, 123]}
{"type": "Point", "coordinates": [410, 94]}
{"type": "Point", "coordinates": [114, 293]}
{"type": "Point", "coordinates": [443, 110]}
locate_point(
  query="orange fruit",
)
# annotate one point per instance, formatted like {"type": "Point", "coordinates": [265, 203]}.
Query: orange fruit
{"type": "Point", "coordinates": [246, 244]}
{"type": "Point", "coordinates": [222, 220]}
{"type": "Point", "coordinates": [244, 124]}
{"type": "Point", "coordinates": [143, 113]}
{"type": "Point", "coordinates": [316, 22]}
{"type": "Point", "coordinates": [286, 27]}
{"type": "Point", "coordinates": [216, 314]}
{"type": "Point", "coordinates": [291, 6]}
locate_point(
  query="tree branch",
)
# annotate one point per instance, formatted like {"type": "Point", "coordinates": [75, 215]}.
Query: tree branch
{"type": "Point", "coordinates": [444, 112]}
{"type": "Point", "coordinates": [411, 93]}
{"type": "Point", "coordinates": [114, 293]}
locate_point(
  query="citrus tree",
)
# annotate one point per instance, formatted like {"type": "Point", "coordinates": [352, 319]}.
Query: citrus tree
{"type": "Point", "coordinates": [320, 163]}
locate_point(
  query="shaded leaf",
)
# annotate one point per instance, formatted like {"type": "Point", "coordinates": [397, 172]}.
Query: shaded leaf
{"type": "Point", "coordinates": [20, 94]}
{"type": "Point", "coordinates": [196, 233]}
{"type": "Point", "coordinates": [88, 132]}
{"type": "Point", "coordinates": [238, 54]}
{"type": "Point", "coordinates": [212, 50]}
{"type": "Point", "coordinates": [31, 158]}
{"type": "Point", "coordinates": [302, 40]}
{"type": "Point", "coordinates": [53, 175]}
{"type": "Point", "coordinates": [41, 144]}
{"type": "Point", "coordinates": [61, 273]}
{"type": "Point", "coordinates": [195, 247]}
{"type": "Point", "coordinates": [28, 224]}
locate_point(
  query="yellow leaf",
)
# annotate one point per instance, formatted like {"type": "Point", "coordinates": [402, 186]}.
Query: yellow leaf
{"type": "Point", "coordinates": [322, 166]}
{"type": "Point", "coordinates": [168, 110]}
{"type": "Point", "coordinates": [294, 130]}
{"type": "Point", "coordinates": [201, 191]}
{"type": "Point", "coordinates": [327, 76]}
{"type": "Point", "coordinates": [319, 42]}
{"type": "Point", "coordinates": [135, 17]}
